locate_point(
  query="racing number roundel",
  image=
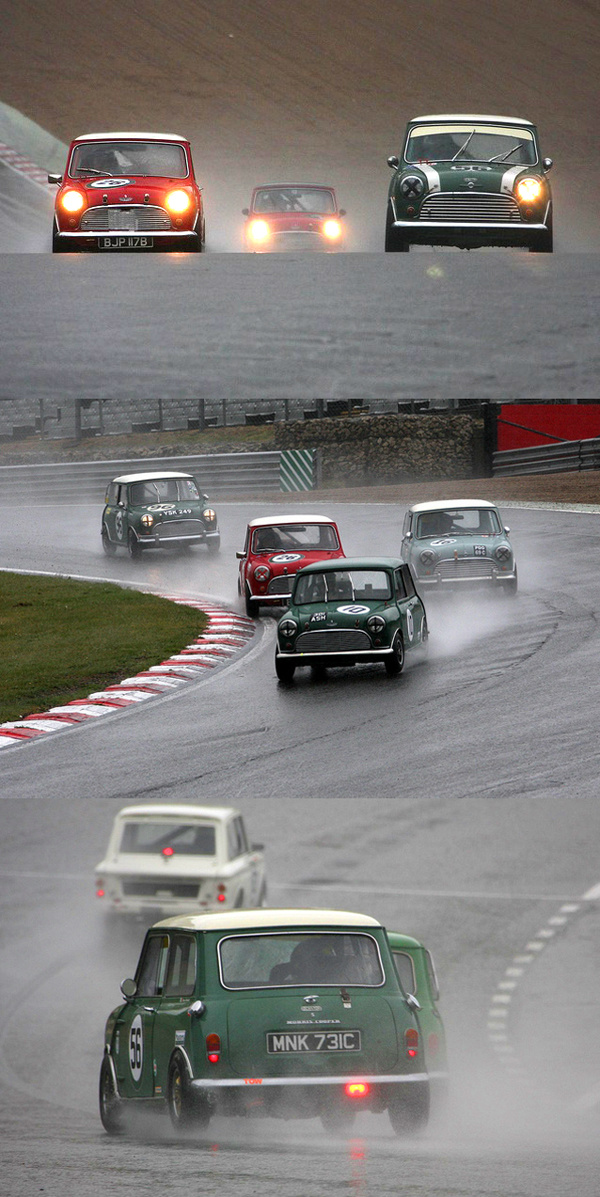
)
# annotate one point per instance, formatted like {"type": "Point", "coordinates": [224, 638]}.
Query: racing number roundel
{"type": "Point", "coordinates": [136, 1047]}
{"type": "Point", "coordinates": [410, 627]}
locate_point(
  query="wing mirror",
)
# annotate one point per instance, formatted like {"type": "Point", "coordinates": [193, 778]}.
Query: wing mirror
{"type": "Point", "coordinates": [245, 211]}
{"type": "Point", "coordinates": [412, 1002]}
{"type": "Point", "coordinates": [342, 212]}
{"type": "Point", "coordinates": [507, 530]}
{"type": "Point", "coordinates": [240, 554]}
{"type": "Point", "coordinates": [196, 1010]}
{"type": "Point", "coordinates": [128, 988]}
{"type": "Point", "coordinates": [547, 164]}
{"type": "Point", "coordinates": [55, 178]}
{"type": "Point", "coordinates": [393, 162]}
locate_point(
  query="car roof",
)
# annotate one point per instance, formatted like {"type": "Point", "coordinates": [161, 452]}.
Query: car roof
{"type": "Point", "coordinates": [179, 810]}
{"type": "Point", "coordinates": [270, 520]}
{"type": "Point", "coordinates": [248, 920]}
{"type": "Point", "coordinates": [451, 504]}
{"type": "Point", "coordinates": [470, 116]}
{"type": "Point", "coordinates": [397, 940]}
{"type": "Point", "coordinates": [314, 186]}
{"type": "Point", "coordinates": [345, 563]}
{"type": "Point", "coordinates": [152, 476]}
{"type": "Point", "coordinates": [130, 137]}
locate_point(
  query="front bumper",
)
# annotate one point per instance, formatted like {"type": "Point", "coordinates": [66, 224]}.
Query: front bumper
{"type": "Point", "coordinates": [124, 242]}
{"type": "Point", "coordinates": [437, 582]}
{"type": "Point", "coordinates": [155, 541]}
{"type": "Point", "coordinates": [336, 657]}
{"type": "Point", "coordinates": [469, 232]}
{"type": "Point", "coordinates": [295, 239]}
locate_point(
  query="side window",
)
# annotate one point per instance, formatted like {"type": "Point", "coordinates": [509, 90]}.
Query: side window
{"type": "Point", "coordinates": [247, 542]}
{"type": "Point", "coordinates": [236, 839]}
{"type": "Point", "coordinates": [241, 834]}
{"type": "Point", "coordinates": [111, 494]}
{"type": "Point", "coordinates": [431, 973]}
{"type": "Point", "coordinates": [181, 971]}
{"type": "Point", "coordinates": [406, 524]}
{"type": "Point", "coordinates": [408, 582]}
{"type": "Point", "coordinates": [151, 968]}
{"type": "Point", "coordinates": [399, 587]}
{"type": "Point", "coordinates": [406, 971]}
{"type": "Point", "coordinates": [122, 495]}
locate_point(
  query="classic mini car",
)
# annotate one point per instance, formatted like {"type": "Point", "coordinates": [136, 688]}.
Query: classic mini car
{"type": "Point", "coordinates": [286, 1013]}
{"type": "Point", "coordinates": [275, 549]}
{"type": "Point", "coordinates": [469, 181]}
{"type": "Point", "coordinates": [156, 511]}
{"type": "Point", "coordinates": [128, 191]}
{"type": "Point", "coordinates": [167, 859]}
{"type": "Point", "coordinates": [415, 967]}
{"type": "Point", "coordinates": [461, 542]}
{"type": "Point", "coordinates": [359, 610]}
{"type": "Point", "coordinates": [299, 217]}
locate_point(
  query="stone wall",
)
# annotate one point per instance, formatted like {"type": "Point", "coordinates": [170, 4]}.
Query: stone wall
{"type": "Point", "coordinates": [365, 450]}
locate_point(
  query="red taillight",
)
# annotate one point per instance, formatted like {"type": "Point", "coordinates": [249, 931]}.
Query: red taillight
{"type": "Point", "coordinates": [411, 1039]}
{"type": "Point", "coordinates": [167, 851]}
{"type": "Point", "coordinates": [221, 893]}
{"type": "Point", "coordinates": [100, 893]}
{"type": "Point", "coordinates": [357, 1089]}
{"type": "Point", "coordinates": [213, 1048]}
{"type": "Point", "coordinates": [220, 897]}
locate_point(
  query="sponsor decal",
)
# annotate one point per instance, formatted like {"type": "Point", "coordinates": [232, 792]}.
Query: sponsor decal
{"type": "Point", "coordinates": [444, 540]}
{"type": "Point", "coordinates": [179, 1037]}
{"type": "Point", "coordinates": [353, 609]}
{"type": "Point", "coordinates": [286, 558]}
{"type": "Point", "coordinates": [111, 182]}
{"type": "Point", "coordinates": [252, 1080]}
{"type": "Point", "coordinates": [318, 617]}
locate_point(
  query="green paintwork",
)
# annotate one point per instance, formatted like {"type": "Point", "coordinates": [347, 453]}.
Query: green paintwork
{"type": "Point", "coordinates": [178, 513]}
{"type": "Point", "coordinates": [424, 986]}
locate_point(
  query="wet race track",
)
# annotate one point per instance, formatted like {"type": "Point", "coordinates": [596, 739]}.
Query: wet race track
{"type": "Point", "coordinates": [457, 803]}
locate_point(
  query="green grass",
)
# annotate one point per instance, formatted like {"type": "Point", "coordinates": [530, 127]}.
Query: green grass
{"type": "Point", "coordinates": [61, 639]}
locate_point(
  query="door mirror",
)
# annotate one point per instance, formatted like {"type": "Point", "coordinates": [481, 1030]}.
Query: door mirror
{"type": "Point", "coordinates": [412, 1002]}
{"type": "Point", "coordinates": [507, 530]}
{"type": "Point", "coordinates": [55, 178]}
{"type": "Point", "coordinates": [240, 554]}
{"type": "Point", "coordinates": [547, 164]}
{"type": "Point", "coordinates": [393, 162]}
{"type": "Point", "coordinates": [128, 988]}
{"type": "Point", "coordinates": [245, 211]}
{"type": "Point", "coordinates": [342, 212]}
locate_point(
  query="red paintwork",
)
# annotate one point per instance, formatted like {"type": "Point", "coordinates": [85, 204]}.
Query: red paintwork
{"type": "Point", "coordinates": [563, 421]}
{"type": "Point", "coordinates": [258, 590]}
{"type": "Point", "coordinates": [292, 222]}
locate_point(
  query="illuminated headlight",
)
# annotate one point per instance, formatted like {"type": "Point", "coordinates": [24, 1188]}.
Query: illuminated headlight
{"type": "Point", "coordinates": [529, 190]}
{"type": "Point", "coordinates": [428, 557]}
{"type": "Point", "coordinates": [259, 231]}
{"type": "Point", "coordinates": [262, 573]}
{"type": "Point", "coordinates": [376, 624]}
{"type": "Point", "coordinates": [288, 627]}
{"type": "Point", "coordinates": [332, 229]}
{"type": "Point", "coordinates": [178, 202]}
{"type": "Point", "coordinates": [147, 520]}
{"type": "Point", "coordinates": [503, 552]}
{"type": "Point", "coordinates": [209, 515]}
{"type": "Point", "coordinates": [411, 186]}
{"type": "Point", "coordinates": [72, 201]}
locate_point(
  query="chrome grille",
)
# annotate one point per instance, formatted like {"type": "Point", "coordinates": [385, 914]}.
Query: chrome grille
{"type": "Point", "coordinates": [281, 585]}
{"type": "Point", "coordinates": [153, 887]}
{"type": "Point", "coordinates": [342, 640]}
{"type": "Point", "coordinates": [478, 207]}
{"type": "Point", "coordinates": [465, 567]}
{"type": "Point", "coordinates": [142, 218]}
{"type": "Point", "coordinates": [177, 528]}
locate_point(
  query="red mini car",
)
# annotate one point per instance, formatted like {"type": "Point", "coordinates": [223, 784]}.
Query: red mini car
{"type": "Point", "coordinates": [303, 216]}
{"type": "Point", "coordinates": [275, 549]}
{"type": "Point", "coordinates": [128, 191]}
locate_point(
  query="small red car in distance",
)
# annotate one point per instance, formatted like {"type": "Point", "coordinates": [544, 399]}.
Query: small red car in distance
{"type": "Point", "coordinates": [276, 548]}
{"type": "Point", "coordinates": [301, 216]}
{"type": "Point", "coordinates": [128, 191]}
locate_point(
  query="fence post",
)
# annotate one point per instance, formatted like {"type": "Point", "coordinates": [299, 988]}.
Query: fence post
{"type": "Point", "coordinates": [490, 436]}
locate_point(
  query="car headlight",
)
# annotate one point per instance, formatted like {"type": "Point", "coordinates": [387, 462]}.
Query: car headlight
{"type": "Point", "coordinates": [72, 201]}
{"type": "Point", "coordinates": [332, 229]}
{"type": "Point", "coordinates": [503, 552]}
{"type": "Point", "coordinates": [428, 557]}
{"type": "Point", "coordinates": [209, 515]}
{"type": "Point", "coordinates": [178, 202]}
{"type": "Point", "coordinates": [411, 186]}
{"type": "Point", "coordinates": [262, 573]}
{"type": "Point", "coordinates": [529, 190]}
{"type": "Point", "coordinates": [376, 624]}
{"type": "Point", "coordinates": [147, 520]}
{"type": "Point", "coordinates": [288, 627]}
{"type": "Point", "coordinates": [259, 231]}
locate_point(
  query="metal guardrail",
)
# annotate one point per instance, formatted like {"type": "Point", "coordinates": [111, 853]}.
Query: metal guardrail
{"type": "Point", "coordinates": [85, 481]}
{"type": "Point", "coordinates": [548, 459]}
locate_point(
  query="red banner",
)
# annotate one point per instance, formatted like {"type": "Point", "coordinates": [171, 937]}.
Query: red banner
{"type": "Point", "coordinates": [560, 421]}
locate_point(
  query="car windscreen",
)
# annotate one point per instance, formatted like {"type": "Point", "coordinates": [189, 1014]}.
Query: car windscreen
{"type": "Point", "coordinates": [168, 837]}
{"type": "Point", "coordinates": [464, 142]}
{"type": "Point", "coordinates": [343, 585]}
{"type": "Point", "coordinates": [294, 199]}
{"type": "Point", "coordinates": [299, 958]}
{"type": "Point", "coordinates": [163, 490]}
{"type": "Point", "coordinates": [160, 159]}
{"type": "Point", "coordinates": [458, 521]}
{"type": "Point", "coordinates": [285, 538]}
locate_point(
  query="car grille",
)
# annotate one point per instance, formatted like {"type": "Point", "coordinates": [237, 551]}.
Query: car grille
{"type": "Point", "coordinates": [138, 219]}
{"type": "Point", "coordinates": [465, 567]}
{"type": "Point", "coordinates": [453, 205]}
{"type": "Point", "coordinates": [280, 585]}
{"type": "Point", "coordinates": [153, 887]}
{"type": "Point", "coordinates": [340, 640]}
{"type": "Point", "coordinates": [175, 529]}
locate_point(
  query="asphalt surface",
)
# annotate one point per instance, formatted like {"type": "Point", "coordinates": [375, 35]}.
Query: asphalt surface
{"type": "Point", "coordinates": [457, 803]}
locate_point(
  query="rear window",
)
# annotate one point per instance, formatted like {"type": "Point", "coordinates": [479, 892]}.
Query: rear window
{"type": "Point", "coordinates": [299, 958]}
{"type": "Point", "coordinates": [185, 838]}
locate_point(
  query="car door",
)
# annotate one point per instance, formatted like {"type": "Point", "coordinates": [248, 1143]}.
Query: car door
{"type": "Point", "coordinates": [110, 510]}
{"type": "Point", "coordinates": [173, 1026]}
{"type": "Point", "coordinates": [117, 528]}
{"type": "Point", "coordinates": [246, 864]}
{"type": "Point", "coordinates": [414, 610]}
{"type": "Point", "coordinates": [134, 1033]}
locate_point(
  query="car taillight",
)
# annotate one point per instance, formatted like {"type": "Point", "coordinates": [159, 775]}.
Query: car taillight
{"type": "Point", "coordinates": [357, 1089]}
{"type": "Point", "coordinates": [213, 1048]}
{"type": "Point", "coordinates": [221, 893]}
{"type": "Point", "coordinates": [100, 891]}
{"type": "Point", "coordinates": [411, 1039]}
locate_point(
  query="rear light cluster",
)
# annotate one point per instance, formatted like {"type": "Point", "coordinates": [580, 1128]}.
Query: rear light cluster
{"type": "Point", "coordinates": [221, 893]}
{"type": "Point", "coordinates": [357, 1089]}
{"type": "Point", "coordinates": [213, 1048]}
{"type": "Point", "coordinates": [411, 1040]}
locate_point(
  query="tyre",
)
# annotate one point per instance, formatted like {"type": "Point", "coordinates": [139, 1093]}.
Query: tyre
{"type": "Point", "coordinates": [107, 544]}
{"type": "Point", "coordinates": [134, 547]}
{"type": "Point", "coordinates": [285, 670]}
{"type": "Point", "coordinates": [409, 1112]}
{"type": "Point", "coordinates": [213, 546]}
{"type": "Point", "coordinates": [111, 1106]}
{"type": "Point", "coordinates": [425, 637]}
{"type": "Point", "coordinates": [394, 664]}
{"type": "Point", "coordinates": [252, 607]}
{"type": "Point", "coordinates": [512, 587]}
{"type": "Point", "coordinates": [319, 672]}
{"type": "Point", "coordinates": [186, 1108]}
{"type": "Point", "coordinates": [395, 243]}
{"type": "Point", "coordinates": [544, 242]}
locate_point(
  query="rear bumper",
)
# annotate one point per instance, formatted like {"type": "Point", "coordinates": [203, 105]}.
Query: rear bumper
{"type": "Point", "coordinates": [300, 1082]}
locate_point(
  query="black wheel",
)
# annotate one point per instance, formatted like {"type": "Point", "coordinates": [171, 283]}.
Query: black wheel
{"type": "Point", "coordinates": [134, 547]}
{"type": "Point", "coordinates": [544, 242]}
{"type": "Point", "coordinates": [425, 636]}
{"type": "Point", "coordinates": [107, 544]}
{"type": "Point", "coordinates": [395, 243]}
{"type": "Point", "coordinates": [394, 664]}
{"type": "Point", "coordinates": [409, 1111]}
{"type": "Point", "coordinates": [285, 670]}
{"type": "Point", "coordinates": [186, 1108]}
{"type": "Point", "coordinates": [337, 1118]}
{"type": "Point", "coordinates": [58, 246]}
{"type": "Point", "coordinates": [213, 546]}
{"type": "Point", "coordinates": [111, 1107]}
{"type": "Point", "coordinates": [252, 607]}
{"type": "Point", "coordinates": [512, 587]}
{"type": "Point", "coordinates": [319, 672]}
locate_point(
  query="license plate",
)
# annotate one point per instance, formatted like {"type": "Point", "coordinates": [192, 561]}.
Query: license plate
{"type": "Point", "coordinates": [290, 1043]}
{"type": "Point", "coordinates": [126, 242]}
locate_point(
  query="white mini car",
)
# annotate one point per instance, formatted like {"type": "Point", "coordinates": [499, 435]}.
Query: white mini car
{"type": "Point", "coordinates": [176, 859]}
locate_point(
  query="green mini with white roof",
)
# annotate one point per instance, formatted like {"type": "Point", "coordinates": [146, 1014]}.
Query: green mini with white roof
{"type": "Point", "coordinates": [157, 510]}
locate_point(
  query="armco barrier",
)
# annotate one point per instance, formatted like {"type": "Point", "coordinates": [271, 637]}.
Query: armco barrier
{"type": "Point", "coordinates": [548, 459]}
{"type": "Point", "coordinates": [85, 481]}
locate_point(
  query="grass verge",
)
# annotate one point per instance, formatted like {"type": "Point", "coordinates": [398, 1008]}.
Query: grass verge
{"type": "Point", "coordinates": [61, 639]}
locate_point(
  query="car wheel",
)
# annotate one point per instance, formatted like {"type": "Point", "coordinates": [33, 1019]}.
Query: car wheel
{"type": "Point", "coordinates": [262, 897]}
{"type": "Point", "coordinates": [111, 1106]}
{"type": "Point", "coordinates": [394, 664]}
{"type": "Point", "coordinates": [107, 544]}
{"type": "Point", "coordinates": [134, 547]}
{"type": "Point", "coordinates": [512, 587]}
{"type": "Point", "coordinates": [395, 243]}
{"type": "Point", "coordinates": [319, 672]}
{"type": "Point", "coordinates": [544, 242]}
{"type": "Point", "coordinates": [252, 607]}
{"type": "Point", "coordinates": [213, 547]}
{"type": "Point", "coordinates": [285, 670]}
{"type": "Point", "coordinates": [425, 636]}
{"type": "Point", "coordinates": [409, 1113]}
{"type": "Point", "coordinates": [186, 1108]}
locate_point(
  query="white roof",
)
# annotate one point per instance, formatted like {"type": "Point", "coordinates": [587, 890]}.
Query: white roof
{"type": "Point", "coordinates": [451, 504]}
{"type": "Point", "coordinates": [130, 137]}
{"type": "Point", "coordinates": [268, 521]}
{"type": "Point", "coordinates": [470, 116]}
{"type": "Point", "coordinates": [150, 477]}
{"type": "Point", "coordinates": [249, 920]}
{"type": "Point", "coordinates": [178, 811]}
